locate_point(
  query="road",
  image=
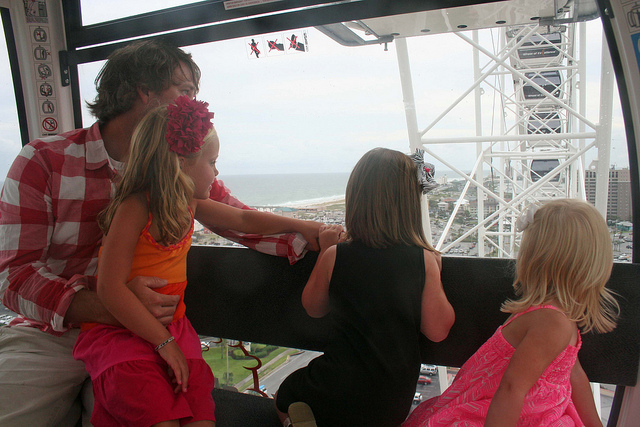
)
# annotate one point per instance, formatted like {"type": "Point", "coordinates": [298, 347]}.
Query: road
{"type": "Point", "coordinates": [274, 379]}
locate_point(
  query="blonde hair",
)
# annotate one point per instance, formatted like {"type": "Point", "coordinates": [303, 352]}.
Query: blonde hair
{"type": "Point", "coordinates": [383, 201]}
{"type": "Point", "coordinates": [566, 255]}
{"type": "Point", "coordinates": [155, 170]}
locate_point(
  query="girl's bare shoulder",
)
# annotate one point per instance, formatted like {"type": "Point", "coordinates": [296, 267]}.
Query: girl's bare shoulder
{"type": "Point", "coordinates": [432, 260]}
{"type": "Point", "coordinates": [552, 324]}
{"type": "Point", "coordinates": [135, 201]}
{"type": "Point", "coordinates": [134, 207]}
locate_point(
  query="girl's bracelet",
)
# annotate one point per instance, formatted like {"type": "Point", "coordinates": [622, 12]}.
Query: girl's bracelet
{"type": "Point", "coordinates": [162, 344]}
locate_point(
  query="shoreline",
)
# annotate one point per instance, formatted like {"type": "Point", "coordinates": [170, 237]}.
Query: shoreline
{"type": "Point", "coordinates": [319, 205]}
{"type": "Point", "coordinates": [305, 204]}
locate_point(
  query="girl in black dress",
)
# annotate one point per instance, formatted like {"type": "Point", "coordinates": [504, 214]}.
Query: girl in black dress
{"type": "Point", "coordinates": [381, 286]}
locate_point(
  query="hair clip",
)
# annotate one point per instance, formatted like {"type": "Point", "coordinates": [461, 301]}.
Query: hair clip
{"type": "Point", "coordinates": [188, 124]}
{"type": "Point", "coordinates": [426, 172]}
{"type": "Point", "coordinates": [526, 217]}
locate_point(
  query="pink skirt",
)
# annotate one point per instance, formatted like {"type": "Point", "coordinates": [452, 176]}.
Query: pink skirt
{"type": "Point", "coordinates": [130, 380]}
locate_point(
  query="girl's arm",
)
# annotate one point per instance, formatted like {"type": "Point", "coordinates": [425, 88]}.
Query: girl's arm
{"type": "Point", "coordinates": [583, 397]}
{"type": "Point", "coordinates": [546, 336]}
{"type": "Point", "coordinates": [437, 315]}
{"type": "Point", "coordinates": [249, 221]}
{"type": "Point", "coordinates": [315, 296]}
{"type": "Point", "coordinates": [113, 271]}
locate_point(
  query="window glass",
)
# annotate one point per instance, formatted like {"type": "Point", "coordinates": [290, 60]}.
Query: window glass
{"type": "Point", "coordinates": [284, 116]}
{"type": "Point", "coordinates": [10, 140]}
{"type": "Point", "coordinates": [442, 71]}
{"type": "Point", "coordinates": [96, 11]}
{"type": "Point", "coordinates": [86, 75]}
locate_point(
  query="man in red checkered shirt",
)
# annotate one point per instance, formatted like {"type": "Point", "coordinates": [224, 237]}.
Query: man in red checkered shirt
{"type": "Point", "coordinates": [50, 237]}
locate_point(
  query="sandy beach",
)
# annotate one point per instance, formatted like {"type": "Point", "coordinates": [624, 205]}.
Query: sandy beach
{"type": "Point", "coordinates": [334, 204]}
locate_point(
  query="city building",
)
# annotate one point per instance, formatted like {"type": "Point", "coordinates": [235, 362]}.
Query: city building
{"type": "Point", "coordinates": [619, 194]}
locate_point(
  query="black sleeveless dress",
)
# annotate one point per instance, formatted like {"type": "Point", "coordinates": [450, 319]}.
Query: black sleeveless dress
{"type": "Point", "coordinates": [367, 375]}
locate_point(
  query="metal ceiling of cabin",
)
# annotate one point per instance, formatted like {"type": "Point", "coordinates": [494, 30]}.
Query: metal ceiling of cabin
{"type": "Point", "coordinates": [208, 21]}
{"type": "Point", "coordinates": [471, 17]}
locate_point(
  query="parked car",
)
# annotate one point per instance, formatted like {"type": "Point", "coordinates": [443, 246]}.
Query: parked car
{"type": "Point", "coordinates": [424, 380]}
{"type": "Point", "coordinates": [428, 369]}
{"type": "Point", "coordinates": [417, 398]}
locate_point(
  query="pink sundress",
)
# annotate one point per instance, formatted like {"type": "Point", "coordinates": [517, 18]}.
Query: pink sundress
{"type": "Point", "coordinates": [467, 400]}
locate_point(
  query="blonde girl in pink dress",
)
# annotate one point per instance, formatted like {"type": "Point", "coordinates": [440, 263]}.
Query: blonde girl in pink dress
{"type": "Point", "coordinates": [527, 373]}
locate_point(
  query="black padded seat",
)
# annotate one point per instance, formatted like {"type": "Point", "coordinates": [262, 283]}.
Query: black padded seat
{"type": "Point", "coordinates": [241, 294]}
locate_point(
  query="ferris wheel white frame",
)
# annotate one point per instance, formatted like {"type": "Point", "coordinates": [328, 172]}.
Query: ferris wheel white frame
{"type": "Point", "coordinates": [508, 153]}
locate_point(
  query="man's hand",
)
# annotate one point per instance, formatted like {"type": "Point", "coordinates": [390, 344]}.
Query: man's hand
{"type": "Point", "coordinates": [311, 235]}
{"type": "Point", "coordinates": [162, 307]}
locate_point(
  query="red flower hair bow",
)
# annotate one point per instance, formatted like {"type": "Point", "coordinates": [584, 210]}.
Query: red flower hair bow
{"type": "Point", "coordinates": [188, 124]}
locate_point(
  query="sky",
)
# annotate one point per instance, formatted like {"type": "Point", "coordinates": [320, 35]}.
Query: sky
{"type": "Point", "coordinates": [321, 110]}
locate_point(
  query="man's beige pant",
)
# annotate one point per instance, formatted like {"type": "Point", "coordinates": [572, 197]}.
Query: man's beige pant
{"type": "Point", "coordinates": [41, 384]}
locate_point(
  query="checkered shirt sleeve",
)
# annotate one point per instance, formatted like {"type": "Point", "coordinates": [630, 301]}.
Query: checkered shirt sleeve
{"type": "Point", "coordinates": [290, 245]}
{"type": "Point", "coordinates": [49, 235]}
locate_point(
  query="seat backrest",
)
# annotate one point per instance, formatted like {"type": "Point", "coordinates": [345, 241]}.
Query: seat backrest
{"type": "Point", "coordinates": [241, 294]}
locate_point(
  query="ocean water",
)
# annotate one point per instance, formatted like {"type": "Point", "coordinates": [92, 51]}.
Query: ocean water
{"type": "Point", "coordinates": [287, 189]}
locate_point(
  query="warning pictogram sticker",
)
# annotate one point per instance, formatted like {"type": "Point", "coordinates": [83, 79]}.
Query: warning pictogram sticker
{"type": "Point", "coordinates": [48, 107]}
{"type": "Point", "coordinates": [277, 44]}
{"type": "Point", "coordinates": [40, 53]}
{"type": "Point", "coordinates": [36, 11]}
{"type": "Point", "coordinates": [44, 71]}
{"type": "Point", "coordinates": [40, 34]}
{"type": "Point", "coordinates": [49, 124]}
{"type": "Point", "coordinates": [274, 45]}
{"type": "Point", "coordinates": [45, 90]}
{"type": "Point", "coordinates": [295, 43]}
{"type": "Point", "coordinates": [255, 45]}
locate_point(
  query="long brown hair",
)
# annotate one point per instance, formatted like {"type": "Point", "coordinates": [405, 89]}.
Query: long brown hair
{"type": "Point", "coordinates": [154, 169]}
{"type": "Point", "coordinates": [383, 201]}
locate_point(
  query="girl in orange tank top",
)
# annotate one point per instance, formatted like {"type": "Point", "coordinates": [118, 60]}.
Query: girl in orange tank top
{"type": "Point", "coordinates": [145, 373]}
